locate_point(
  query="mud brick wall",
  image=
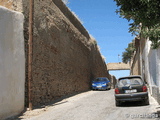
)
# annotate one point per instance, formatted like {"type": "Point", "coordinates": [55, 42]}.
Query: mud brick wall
{"type": "Point", "coordinates": [65, 58]}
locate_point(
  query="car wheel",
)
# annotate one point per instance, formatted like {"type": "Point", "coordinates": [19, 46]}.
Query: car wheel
{"type": "Point", "coordinates": [118, 103]}
{"type": "Point", "coordinates": [109, 88]}
{"type": "Point", "coordinates": [146, 101]}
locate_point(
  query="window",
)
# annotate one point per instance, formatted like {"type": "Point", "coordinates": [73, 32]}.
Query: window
{"type": "Point", "coordinates": [130, 81]}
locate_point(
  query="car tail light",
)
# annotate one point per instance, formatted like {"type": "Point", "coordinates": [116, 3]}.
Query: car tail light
{"type": "Point", "coordinates": [116, 91]}
{"type": "Point", "coordinates": [144, 89]}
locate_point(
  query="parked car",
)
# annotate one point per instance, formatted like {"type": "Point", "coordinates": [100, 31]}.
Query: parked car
{"type": "Point", "coordinates": [131, 88]}
{"type": "Point", "coordinates": [101, 83]}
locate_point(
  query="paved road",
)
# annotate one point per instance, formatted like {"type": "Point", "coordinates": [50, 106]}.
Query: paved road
{"type": "Point", "coordinates": [97, 105]}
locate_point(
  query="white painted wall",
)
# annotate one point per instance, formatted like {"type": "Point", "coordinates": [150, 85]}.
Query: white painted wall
{"type": "Point", "coordinates": [151, 68]}
{"type": "Point", "coordinates": [158, 66]}
{"type": "Point", "coordinates": [145, 57]}
{"type": "Point", "coordinates": [12, 63]}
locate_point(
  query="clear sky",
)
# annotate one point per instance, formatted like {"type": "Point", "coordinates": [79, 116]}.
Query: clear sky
{"type": "Point", "coordinates": [109, 30]}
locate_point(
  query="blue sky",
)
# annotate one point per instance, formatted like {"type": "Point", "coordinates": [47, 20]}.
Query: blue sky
{"type": "Point", "coordinates": [102, 22]}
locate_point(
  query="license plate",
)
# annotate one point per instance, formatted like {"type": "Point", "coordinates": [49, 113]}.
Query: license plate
{"type": "Point", "coordinates": [131, 91]}
{"type": "Point", "coordinates": [99, 86]}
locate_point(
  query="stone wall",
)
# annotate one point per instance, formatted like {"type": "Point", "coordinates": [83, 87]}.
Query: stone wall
{"type": "Point", "coordinates": [113, 81]}
{"type": "Point", "coordinates": [65, 57]}
{"type": "Point", "coordinates": [12, 4]}
{"type": "Point", "coordinates": [118, 66]}
{"type": "Point", "coordinates": [135, 65]}
{"type": "Point", "coordinates": [71, 17]}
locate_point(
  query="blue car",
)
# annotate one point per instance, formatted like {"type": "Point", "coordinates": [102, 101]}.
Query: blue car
{"type": "Point", "coordinates": [101, 83]}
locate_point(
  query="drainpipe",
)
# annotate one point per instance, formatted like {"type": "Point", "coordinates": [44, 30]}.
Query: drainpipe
{"type": "Point", "coordinates": [30, 54]}
{"type": "Point", "coordinates": [140, 51]}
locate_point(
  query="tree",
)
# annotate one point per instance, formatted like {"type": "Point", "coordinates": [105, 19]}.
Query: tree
{"type": "Point", "coordinates": [145, 12]}
{"type": "Point", "coordinates": [128, 53]}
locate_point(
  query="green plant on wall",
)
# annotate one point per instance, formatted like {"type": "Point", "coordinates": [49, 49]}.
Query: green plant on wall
{"type": "Point", "coordinates": [65, 2]}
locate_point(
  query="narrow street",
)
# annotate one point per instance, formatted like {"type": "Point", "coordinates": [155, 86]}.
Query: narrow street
{"type": "Point", "coordinates": [93, 105]}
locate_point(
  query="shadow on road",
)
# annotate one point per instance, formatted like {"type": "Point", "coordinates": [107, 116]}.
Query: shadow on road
{"type": "Point", "coordinates": [101, 90]}
{"type": "Point", "coordinates": [58, 101]}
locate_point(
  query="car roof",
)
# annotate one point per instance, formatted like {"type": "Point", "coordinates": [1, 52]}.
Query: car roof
{"type": "Point", "coordinates": [101, 77]}
{"type": "Point", "coordinates": [130, 76]}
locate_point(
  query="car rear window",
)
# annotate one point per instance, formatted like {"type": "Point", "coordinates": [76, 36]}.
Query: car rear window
{"type": "Point", "coordinates": [130, 81]}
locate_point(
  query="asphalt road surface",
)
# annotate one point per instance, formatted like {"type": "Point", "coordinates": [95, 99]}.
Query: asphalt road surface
{"type": "Point", "coordinates": [95, 105]}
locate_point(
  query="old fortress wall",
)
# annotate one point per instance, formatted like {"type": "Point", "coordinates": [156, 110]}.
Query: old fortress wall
{"type": "Point", "coordinates": [65, 57]}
